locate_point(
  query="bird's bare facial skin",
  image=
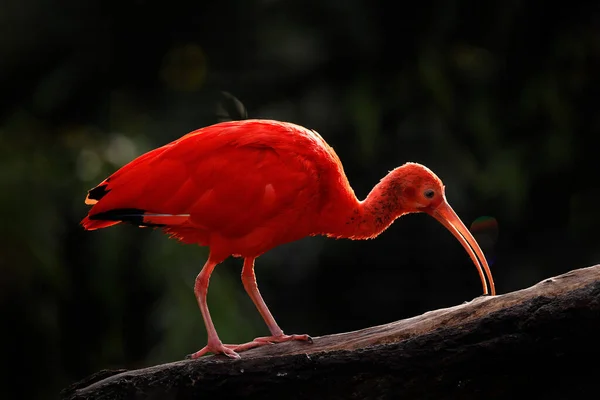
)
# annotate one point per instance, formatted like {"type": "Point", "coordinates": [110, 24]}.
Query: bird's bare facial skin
{"type": "Point", "coordinates": [429, 196]}
{"type": "Point", "coordinates": [429, 193]}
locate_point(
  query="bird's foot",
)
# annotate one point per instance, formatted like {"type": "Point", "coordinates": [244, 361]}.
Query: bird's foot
{"type": "Point", "coordinates": [217, 348]}
{"type": "Point", "coordinates": [261, 341]}
{"type": "Point", "coordinates": [230, 350]}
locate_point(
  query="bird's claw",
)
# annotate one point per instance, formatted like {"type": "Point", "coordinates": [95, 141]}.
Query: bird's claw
{"type": "Point", "coordinates": [260, 341]}
{"type": "Point", "coordinates": [225, 349]}
{"type": "Point", "coordinates": [230, 350]}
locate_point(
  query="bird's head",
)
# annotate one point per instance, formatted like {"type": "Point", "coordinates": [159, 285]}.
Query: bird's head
{"type": "Point", "coordinates": [419, 190]}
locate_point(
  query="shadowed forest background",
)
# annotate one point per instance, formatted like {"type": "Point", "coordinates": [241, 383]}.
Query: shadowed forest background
{"type": "Point", "coordinates": [499, 99]}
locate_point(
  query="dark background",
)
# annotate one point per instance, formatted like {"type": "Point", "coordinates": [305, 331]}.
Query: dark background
{"type": "Point", "coordinates": [500, 99]}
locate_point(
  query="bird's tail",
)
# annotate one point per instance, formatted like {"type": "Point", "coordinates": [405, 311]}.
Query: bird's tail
{"type": "Point", "coordinates": [117, 199]}
{"type": "Point", "coordinates": [94, 195]}
{"type": "Point", "coordinates": [133, 216]}
{"type": "Point", "coordinates": [91, 224]}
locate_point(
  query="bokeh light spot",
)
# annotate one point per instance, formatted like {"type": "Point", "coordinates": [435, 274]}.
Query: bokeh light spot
{"type": "Point", "coordinates": [88, 165]}
{"type": "Point", "coordinates": [120, 150]}
{"type": "Point", "coordinates": [184, 68]}
{"type": "Point", "coordinates": [485, 231]}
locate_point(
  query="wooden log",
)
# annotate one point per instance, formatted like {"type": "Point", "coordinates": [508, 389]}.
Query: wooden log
{"type": "Point", "coordinates": [541, 341]}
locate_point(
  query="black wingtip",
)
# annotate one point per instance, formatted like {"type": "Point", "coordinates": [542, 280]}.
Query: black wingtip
{"type": "Point", "coordinates": [134, 216]}
{"type": "Point", "coordinates": [98, 192]}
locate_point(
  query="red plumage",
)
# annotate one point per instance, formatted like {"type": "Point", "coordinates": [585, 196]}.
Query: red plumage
{"type": "Point", "coordinates": [244, 187]}
{"type": "Point", "coordinates": [247, 186]}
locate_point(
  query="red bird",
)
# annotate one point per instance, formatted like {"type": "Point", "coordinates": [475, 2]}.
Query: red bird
{"type": "Point", "coordinates": [243, 187]}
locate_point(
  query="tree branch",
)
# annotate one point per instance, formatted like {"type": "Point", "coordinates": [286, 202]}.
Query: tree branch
{"type": "Point", "coordinates": [536, 340]}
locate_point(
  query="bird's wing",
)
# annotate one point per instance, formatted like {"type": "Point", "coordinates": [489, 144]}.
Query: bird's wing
{"type": "Point", "coordinates": [214, 182]}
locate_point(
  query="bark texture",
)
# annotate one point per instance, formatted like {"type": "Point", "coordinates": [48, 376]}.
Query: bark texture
{"type": "Point", "coordinates": [542, 341]}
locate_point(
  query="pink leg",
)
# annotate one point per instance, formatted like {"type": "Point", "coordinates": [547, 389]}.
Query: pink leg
{"type": "Point", "coordinates": [277, 335]}
{"type": "Point", "coordinates": [214, 344]}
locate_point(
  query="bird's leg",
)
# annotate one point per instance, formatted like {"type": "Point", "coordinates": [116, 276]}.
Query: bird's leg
{"type": "Point", "coordinates": [277, 335]}
{"type": "Point", "coordinates": [214, 344]}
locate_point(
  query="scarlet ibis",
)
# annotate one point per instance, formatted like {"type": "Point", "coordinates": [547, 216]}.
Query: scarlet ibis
{"type": "Point", "coordinates": [243, 187]}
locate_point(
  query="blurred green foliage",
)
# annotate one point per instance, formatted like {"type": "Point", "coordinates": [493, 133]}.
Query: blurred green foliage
{"type": "Point", "coordinates": [498, 99]}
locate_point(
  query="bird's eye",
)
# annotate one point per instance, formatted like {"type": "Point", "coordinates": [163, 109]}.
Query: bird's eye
{"type": "Point", "coordinates": [429, 193]}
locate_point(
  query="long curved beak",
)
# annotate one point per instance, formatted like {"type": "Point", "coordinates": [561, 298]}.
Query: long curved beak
{"type": "Point", "coordinates": [447, 217]}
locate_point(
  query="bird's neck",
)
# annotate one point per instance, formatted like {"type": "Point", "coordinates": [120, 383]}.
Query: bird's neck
{"type": "Point", "coordinates": [368, 218]}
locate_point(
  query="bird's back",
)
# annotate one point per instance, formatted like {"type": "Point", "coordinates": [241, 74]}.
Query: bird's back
{"type": "Point", "coordinates": [238, 186]}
